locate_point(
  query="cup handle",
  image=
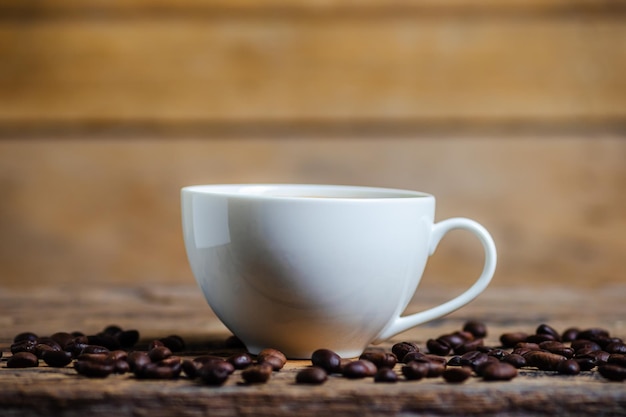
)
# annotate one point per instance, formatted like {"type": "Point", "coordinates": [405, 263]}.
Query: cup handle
{"type": "Point", "coordinates": [401, 324]}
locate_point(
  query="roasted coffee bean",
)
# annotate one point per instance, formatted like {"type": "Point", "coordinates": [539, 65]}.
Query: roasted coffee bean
{"type": "Point", "coordinates": [436, 358]}
{"type": "Point", "coordinates": [257, 374]}
{"type": "Point", "coordinates": [117, 355]}
{"type": "Point", "coordinates": [23, 360]}
{"type": "Point", "coordinates": [516, 360]}
{"type": "Point", "coordinates": [616, 347]}
{"type": "Point", "coordinates": [62, 339]}
{"type": "Point", "coordinates": [413, 356]}
{"type": "Point", "coordinates": [499, 371]}
{"type": "Point", "coordinates": [159, 353]}
{"type": "Point", "coordinates": [543, 360]}
{"type": "Point", "coordinates": [26, 345]}
{"type": "Point", "coordinates": [173, 342]}
{"type": "Point", "coordinates": [137, 360]}
{"type": "Point", "coordinates": [57, 358]}
{"type": "Point", "coordinates": [539, 338]}
{"type": "Point", "coordinates": [155, 371]}
{"type": "Point", "coordinates": [360, 368]}
{"type": "Point", "coordinates": [77, 345]}
{"type": "Point", "coordinates": [95, 349]}
{"type": "Point", "coordinates": [385, 375]}
{"type": "Point", "coordinates": [593, 334]}
{"type": "Point", "coordinates": [155, 344]}
{"type": "Point", "coordinates": [469, 346]}
{"type": "Point", "coordinates": [92, 357]}
{"type": "Point", "coordinates": [233, 342]}
{"type": "Point", "coordinates": [94, 369]}
{"type": "Point", "coordinates": [240, 360]}
{"type": "Point", "coordinates": [104, 340]}
{"type": "Point", "coordinates": [176, 362]}
{"type": "Point", "coordinates": [558, 348]}
{"type": "Point", "coordinates": [580, 344]}
{"type": "Point", "coordinates": [586, 364]}
{"type": "Point", "coordinates": [191, 368]}
{"type": "Point", "coordinates": [380, 359]}
{"type": "Point", "coordinates": [476, 328]}
{"type": "Point", "coordinates": [509, 340]}
{"type": "Point", "coordinates": [21, 337]}
{"type": "Point", "coordinates": [273, 357]}
{"type": "Point", "coordinates": [111, 330]}
{"type": "Point", "coordinates": [570, 334]}
{"type": "Point", "coordinates": [128, 338]}
{"type": "Point", "coordinates": [435, 369]}
{"type": "Point", "coordinates": [438, 347]}
{"type": "Point", "coordinates": [498, 353]}
{"type": "Point", "coordinates": [457, 374]}
{"type": "Point", "coordinates": [617, 359]}
{"type": "Point", "coordinates": [216, 373]}
{"type": "Point", "coordinates": [327, 360]}
{"type": "Point", "coordinates": [528, 345]}
{"type": "Point", "coordinates": [474, 359]}
{"type": "Point", "coordinates": [415, 370]}
{"type": "Point", "coordinates": [568, 367]}
{"type": "Point", "coordinates": [545, 329]}
{"type": "Point", "coordinates": [41, 348]}
{"type": "Point", "coordinates": [120, 366]}
{"type": "Point", "coordinates": [313, 375]}
{"type": "Point", "coordinates": [479, 369]}
{"type": "Point", "coordinates": [613, 372]}
{"type": "Point", "coordinates": [454, 361]}
{"type": "Point", "coordinates": [402, 348]}
{"type": "Point", "coordinates": [456, 339]}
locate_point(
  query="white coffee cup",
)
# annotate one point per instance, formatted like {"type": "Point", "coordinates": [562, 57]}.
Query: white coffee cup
{"type": "Point", "coordinates": [302, 267]}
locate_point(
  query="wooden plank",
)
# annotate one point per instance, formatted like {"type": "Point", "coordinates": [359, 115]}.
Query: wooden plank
{"type": "Point", "coordinates": [107, 210]}
{"type": "Point", "coordinates": [270, 67]}
{"type": "Point", "coordinates": [158, 310]}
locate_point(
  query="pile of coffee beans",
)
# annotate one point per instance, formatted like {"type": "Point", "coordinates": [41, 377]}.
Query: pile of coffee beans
{"type": "Point", "coordinates": [455, 357]}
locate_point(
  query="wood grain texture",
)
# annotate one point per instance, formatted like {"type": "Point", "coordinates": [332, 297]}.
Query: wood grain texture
{"type": "Point", "coordinates": [318, 61]}
{"type": "Point", "coordinates": [161, 310]}
{"type": "Point", "coordinates": [107, 210]}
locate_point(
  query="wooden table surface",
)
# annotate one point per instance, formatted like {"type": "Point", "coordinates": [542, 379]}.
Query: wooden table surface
{"type": "Point", "coordinates": [158, 311]}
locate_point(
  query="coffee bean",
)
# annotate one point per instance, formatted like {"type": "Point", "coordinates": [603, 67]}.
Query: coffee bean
{"type": "Point", "coordinates": [157, 371]}
{"type": "Point", "coordinates": [191, 368]}
{"type": "Point", "coordinates": [415, 370]}
{"type": "Point", "coordinates": [77, 345]}
{"type": "Point", "coordinates": [173, 342]}
{"type": "Point", "coordinates": [216, 373]}
{"type": "Point", "coordinates": [95, 349]}
{"type": "Point", "coordinates": [312, 375]}
{"type": "Point", "coordinates": [111, 330]}
{"type": "Point", "coordinates": [509, 340]}
{"type": "Point", "coordinates": [438, 347]}
{"type": "Point", "coordinates": [568, 367]}
{"type": "Point", "coordinates": [62, 338]}
{"type": "Point", "coordinates": [273, 357]}
{"type": "Point", "coordinates": [92, 357]}
{"type": "Point", "coordinates": [380, 359]}
{"type": "Point", "coordinates": [26, 345]}
{"type": "Point", "coordinates": [585, 364]}
{"type": "Point", "coordinates": [476, 328]}
{"type": "Point", "coordinates": [516, 360]}
{"type": "Point", "coordinates": [94, 369]}
{"type": "Point", "coordinates": [482, 366]}
{"type": "Point", "coordinates": [474, 359]}
{"type": "Point", "coordinates": [360, 368]}
{"type": "Point", "coordinates": [240, 360]}
{"type": "Point", "coordinates": [117, 355]}
{"type": "Point", "coordinates": [57, 359]}
{"type": "Point", "coordinates": [23, 360]}
{"type": "Point", "coordinates": [457, 374]}
{"type": "Point", "coordinates": [159, 353]}
{"type": "Point", "coordinates": [616, 347]}
{"type": "Point", "coordinates": [120, 366]}
{"type": "Point", "coordinates": [469, 346]}
{"type": "Point", "coordinates": [558, 348]}
{"type": "Point", "coordinates": [499, 371]}
{"type": "Point", "coordinates": [543, 360]}
{"type": "Point", "coordinates": [41, 348]}
{"type": "Point", "coordinates": [327, 360]}
{"type": "Point", "coordinates": [580, 344]}
{"type": "Point", "coordinates": [137, 360]}
{"type": "Point", "coordinates": [497, 353]}
{"type": "Point", "coordinates": [570, 334]}
{"type": "Point", "coordinates": [545, 329]}
{"type": "Point", "coordinates": [385, 375]}
{"type": "Point", "coordinates": [233, 342]}
{"type": "Point", "coordinates": [402, 348]}
{"type": "Point", "coordinates": [25, 336]}
{"type": "Point", "coordinates": [454, 361]}
{"type": "Point", "coordinates": [257, 374]}
{"type": "Point", "coordinates": [412, 356]}
{"type": "Point", "coordinates": [538, 338]}
{"type": "Point", "coordinates": [617, 359]}
{"type": "Point", "coordinates": [105, 340]}
{"type": "Point", "coordinates": [435, 369]}
{"type": "Point", "coordinates": [613, 372]}
{"type": "Point", "coordinates": [456, 339]}
{"type": "Point", "coordinates": [593, 334]}
{"type": "Point", "coordinates": [128, 338]}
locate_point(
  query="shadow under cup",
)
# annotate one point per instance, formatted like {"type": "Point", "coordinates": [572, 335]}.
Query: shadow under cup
{"type": "Point", "coordinates": [303, 267]}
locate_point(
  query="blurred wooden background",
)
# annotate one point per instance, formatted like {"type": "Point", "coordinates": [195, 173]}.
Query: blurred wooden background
{"type": "Point", "coordinates": [512, 113]}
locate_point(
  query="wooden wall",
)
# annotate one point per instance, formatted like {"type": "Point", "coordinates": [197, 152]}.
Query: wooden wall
{"type": "Point", "coordinates": [513, 113]}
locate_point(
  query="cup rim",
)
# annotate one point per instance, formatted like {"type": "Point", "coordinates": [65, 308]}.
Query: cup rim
{"type": "Point", "coordinates": [296, 191]}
